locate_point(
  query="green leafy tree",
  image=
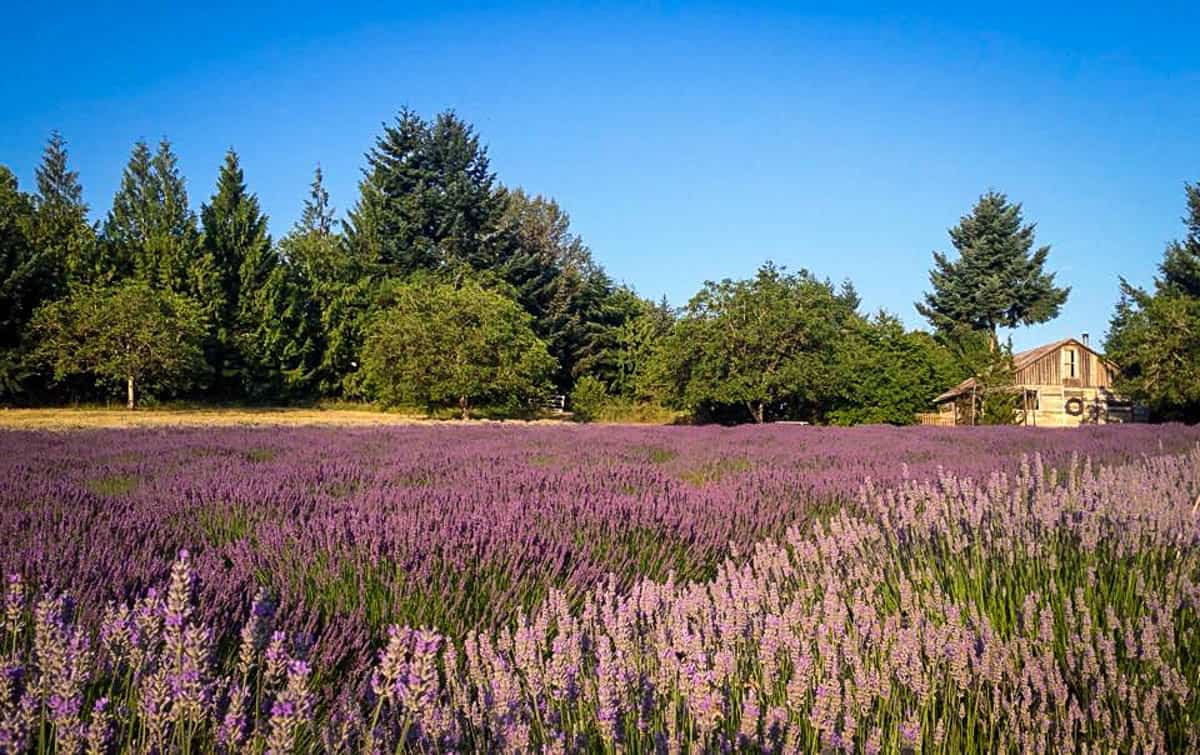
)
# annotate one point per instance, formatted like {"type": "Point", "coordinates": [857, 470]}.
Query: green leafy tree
{"type": "Point", "coordinates": [998, 278]}
{"type": "Point", "coordinates": [588, 398]}
{"type": "Point", "coordinates": [1155, 337]}
{"type": "Point", "coordinates": [441, 345]}
{"type": "Point", "coordinates": [767, 344]}
{"type": "Point", "coordinates": [889, 374]}
{"type": "Point", "coordinates": [132, 333]}
{"type": "Point", "coordinates": [996, 396]}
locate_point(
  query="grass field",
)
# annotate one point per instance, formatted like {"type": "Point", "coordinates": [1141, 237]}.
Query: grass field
{"type": "Point", "coordinates": [83, 418]}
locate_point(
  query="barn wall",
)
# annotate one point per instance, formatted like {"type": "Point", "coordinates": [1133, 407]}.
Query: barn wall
{"type": "Point", "coordinates": [1093, 372]}
{"type": "Point", "coordinates": [1052, 405]}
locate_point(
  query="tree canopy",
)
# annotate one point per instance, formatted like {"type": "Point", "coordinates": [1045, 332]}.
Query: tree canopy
{"type": "Point", "coordinates": [438, 344]}
{"type": "Point", "coordinates": [765, 344]}
{"type": "Point", "coordinates": [1155, 336]}
{"type": "Point", "coordinates": [148, 339]}
{"type": "Point", "coordinates": [998, 278]}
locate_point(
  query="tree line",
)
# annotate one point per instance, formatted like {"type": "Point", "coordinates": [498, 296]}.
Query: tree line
{"type": "Point", "coordinates": [444, 289]}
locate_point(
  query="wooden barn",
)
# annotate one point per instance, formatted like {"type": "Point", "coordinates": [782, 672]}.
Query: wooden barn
{"type": "Point", "coordinates": [1061, 384]}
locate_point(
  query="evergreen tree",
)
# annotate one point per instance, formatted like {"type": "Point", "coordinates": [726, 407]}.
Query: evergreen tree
{"type": "Point", "coordinates": [329, 286]}
{"type": "Point", "coordinates": [312, 247]}
{"type": "Point", "coordinates": [62, 232]}
{"type": "Point", "coordinates": [428, 198]}
{"type": "Point", "coordinates": [236, 240]}
{"type": "Point", "coordinates": [1180, 267]}
{"type": "Point", "coordinates": [998, 279]}
{"type": "Point", "coordinates": [576, 308]}
{"type": "Point", "coordinates": [151, 234]}
{"type": "Point", "coordinates": [20, 271]}
{"type": "Point", "coordinates": [1155, 336]}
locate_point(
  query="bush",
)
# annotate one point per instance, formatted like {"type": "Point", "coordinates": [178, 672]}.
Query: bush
{"type": "Point", "coordinates": [588, 398]}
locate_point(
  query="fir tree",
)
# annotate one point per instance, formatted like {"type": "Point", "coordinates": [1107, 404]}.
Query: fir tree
{"type": "Point", "coordinates": [62, 231]}
{"type": "Point", "coordinates": [428, 198]}
{"type": "Point", "coordinates": [318, 212]}
{"type": "Point", "coordinates": [236, 240]}
{"type": "Point", "coordinates": [1155, 336]}
{"type": "Point", "coordinates": [151, 233]}
{"type": "Point", "coordinates": [1180, 267]}
{"type": "Point", "coordinates": [19, 271]}
{"type": "Point", "coordinates": [998, 279]}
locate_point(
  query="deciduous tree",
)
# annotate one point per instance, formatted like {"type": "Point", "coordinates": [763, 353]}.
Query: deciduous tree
{"type": "Point", "coordinates": [767, 344]}
{"type": "Point", "coordinates": [438, 345]}
{"type": "Point", "coordinates": [148, 339]}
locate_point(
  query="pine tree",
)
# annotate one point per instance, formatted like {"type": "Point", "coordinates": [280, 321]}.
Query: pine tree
{"type": "Point", "coordinates": [1180, 267]}
{"type": "Point", "coordinates": [998, 278]}
{"type": "Point", "coordinates": [20, 269]}
{"type": "Point", "coordinates": [318, 212]}
{"type": "Point", "coordinates": [312, 247]}
{"type": "Point", "coordinates": [62, 232]}
{"type": "Point", "coordinates": [150, 232]}
{"type": "Point", "coordinates": [1155, 336]}
{"type": "Point", "coordinates": [428, 198]}
{"type": "Point", "coordinates": [324, 275]}
{"type": "Point", "coordinates": [236, 240]}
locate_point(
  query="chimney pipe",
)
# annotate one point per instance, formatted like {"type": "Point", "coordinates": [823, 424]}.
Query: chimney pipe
{"type": "Point", "coordinates": [1085, 339]}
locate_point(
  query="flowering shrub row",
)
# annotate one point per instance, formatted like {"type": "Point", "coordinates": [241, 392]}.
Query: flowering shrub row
{"type": "Point", "coordinates": [449, 527]}
{"type": "Point", "coordinates": [1029, 611]}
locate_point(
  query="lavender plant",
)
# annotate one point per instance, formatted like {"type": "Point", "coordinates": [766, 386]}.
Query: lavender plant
{"type": "Point", "coordinates": [1047, 608]}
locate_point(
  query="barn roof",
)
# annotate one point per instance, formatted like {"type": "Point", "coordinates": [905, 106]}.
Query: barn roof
{"type": "Point", "coordinates": [1021, 360]}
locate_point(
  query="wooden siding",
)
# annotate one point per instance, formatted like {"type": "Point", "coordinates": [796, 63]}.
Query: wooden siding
{"type": "Point", "coordinates": [1093, 372]}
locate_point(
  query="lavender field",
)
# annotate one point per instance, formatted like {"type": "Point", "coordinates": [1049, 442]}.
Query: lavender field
{"type": "Point", "coordinates": [505, 587]}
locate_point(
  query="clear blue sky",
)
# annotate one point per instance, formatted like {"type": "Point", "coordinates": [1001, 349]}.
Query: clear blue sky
{"type": "Point", "coordinates": [687, 142]}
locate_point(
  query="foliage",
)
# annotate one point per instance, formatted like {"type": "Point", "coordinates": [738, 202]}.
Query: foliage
{"type": "Point", "coordinates": [887, 374]}
{"type": "Point", "coordinates": [428, 199]}
{"type": "Point", "coordinates": [633, 348]}
{"type": "Point", "coordinates": [588, 398]}
{"type": "Point", "coordinates": [151, 234]}
{"type": "Point", "coordinates": [766, 345]}
{"type": "Point", "coordinates": [576, 309]}
{"type": "Point", "coordinates": [997, 397]}
{"type": "Point", "coordinates": [62, 232]}
{"type": "Point", "coordinates": [439, 344]}
{"type": "Point", "coordinates": [1155, 337]}
{"type": "Point", "coordinates": [20, 270]}
{"type": "Point", "coordinates": [145, 338]}
{"type": "Point", "coordinates": [998, 278]}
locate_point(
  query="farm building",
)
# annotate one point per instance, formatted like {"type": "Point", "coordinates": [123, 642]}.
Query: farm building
{"type": "Point", "coordinates": [1060, 384]}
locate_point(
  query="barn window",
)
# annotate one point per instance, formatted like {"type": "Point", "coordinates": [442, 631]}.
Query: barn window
{"type": "Point", "coordinates": [1070, 363]}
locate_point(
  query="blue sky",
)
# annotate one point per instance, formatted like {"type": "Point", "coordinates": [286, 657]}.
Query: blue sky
{"type": "Point", "coordinates": [688, 142]}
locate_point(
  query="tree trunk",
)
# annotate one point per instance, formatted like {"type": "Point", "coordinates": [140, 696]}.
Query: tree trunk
{"type": "Point", "coordinates": [129, 401]}
{"type": "Point", "coordinates": [758, 413]}
{"type": "Point", "coordinates": [464, 406]}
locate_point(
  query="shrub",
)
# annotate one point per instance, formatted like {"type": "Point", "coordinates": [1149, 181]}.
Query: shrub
{"type": "Point", "coordinates": [588, 398]}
